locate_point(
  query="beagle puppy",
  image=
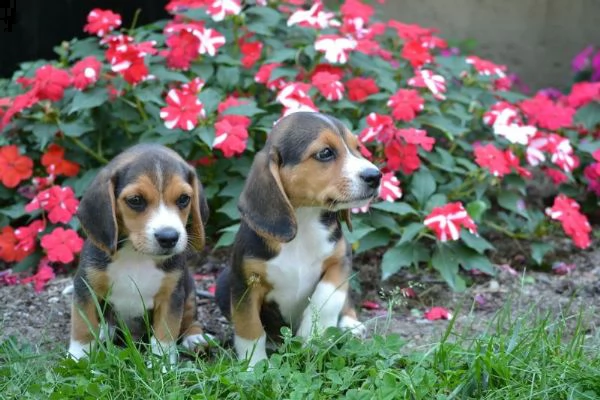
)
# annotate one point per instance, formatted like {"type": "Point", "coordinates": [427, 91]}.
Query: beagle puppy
{"type": "Point", "coordinates": [139, 214]}
{"type": "Point", "coordinates": [290, 264]}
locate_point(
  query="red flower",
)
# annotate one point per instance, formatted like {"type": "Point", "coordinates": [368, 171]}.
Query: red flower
{"type": "Point", "coordinates": [404, 157]}
{"type": "Point", "coordinates": [447, 220]}
{"type": "Point", "coordinates": [210, 41]}
{"type": "Point", "coordinates": [329, 86]}
{"type": "Point", "coordinates": [416, 136]}
{"type": "Point", "coordinates": [19, 103]}
{"type": "Point", "coordinates": [546, 114]}
{"type": "Point", "coordinates": [230, 101]}
{"type": "Point", "coordinates": [406, 104]}
{"type": "Point", "coordinates": [360, 88]}
{"type": "Point", "coordinates": [555, 175]}
{"type": "Point", "coordinates": [183, 49]}
{"type": "Point", "coordinates": [27, 236]}
{"type": "Point", "coordinates": [14, 167]}
{"type": "Point", "coordinates": [127, 58]}
{"type": "Point", "coordinates": [100, 22]}
{"type": "Point", "coordinates": [390, 187]}
{"type": "Point", "coordinates": [86, 72]}
{"type": "Point", "coordinates": [61, 245]}
{"type": "Point", "coordinates": [435, 313]}
{"type": "Point", "coordinates": [514, 162]}
{"type": "Point", "coordinates": [583, 93]}
{"type": "Point", "coordinates": [219, 9]}
{"type": "Point", "coordinates": [44, 274]}
{"type": "Point", "coordinates": [356, 9]}
{"type": "Point", "coordinates": [380, 127]}
{"type": "Point", "coordinates": [416, 53]}
{"type": "Point", "coordinates": [251, 52]}
{"type": "Point", "coordinates": [59, 202]}
{"type": "Point", "coordinates": [264, 76]}
{"type": "Point", "coordinates": [230, 139]}
{"type": "Point", "coordinates": [332, 69]}
{"type": "Point", "coordinates": [410, 32]}
{"type": "Point", "coordinates": [55, 163]}
{"type": "Point", "coordinates": [435, 83]}
{"type": "Point", "coordinates": [574, 223]}
{"type": "Point", "coordinates": [194, 86]}
{"type": "Point", "coordinates": [336, 48]}
{"type": "Point", "coordinates": [485, 67]}
{"type": "Point", "coordinates": [50, 83]}
{"type": "Point", "coordinates": [183, 110]}
{"type": "Point", "coordinates": [9, 249]}
{"type": "Point", "coordinates": [493, 159]}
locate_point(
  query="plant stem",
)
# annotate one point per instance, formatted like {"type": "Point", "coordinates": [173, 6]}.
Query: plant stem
{"type": "Point", "coordinates": [91, 152]}
{"type": "Point", "coordinates": [135, 19]}
{"type": "Point", "coordinates": [140, 108]}
{"type": "Point", "coordinates": [505, 231]}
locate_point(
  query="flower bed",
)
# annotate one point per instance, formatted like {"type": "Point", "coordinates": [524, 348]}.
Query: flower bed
{"type": "Point", "coordinates": [459, 149]}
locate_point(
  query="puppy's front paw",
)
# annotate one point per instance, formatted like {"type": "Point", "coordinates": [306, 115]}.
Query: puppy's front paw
{"type": "Point", "coordinates": [197, 342]}
{"type": "Point", "coordinates": [161, 349]}
{"type": "Point", "coordinates": [78, 350]}
{"type": "Point", "coordinates": [357, 328]}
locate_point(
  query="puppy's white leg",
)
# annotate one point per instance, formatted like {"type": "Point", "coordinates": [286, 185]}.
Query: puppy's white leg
{"type": "Point", "coordinates": [167, 348]}
{"type": "Point", "coordinates": [323, 310]}
{"type": "Point", "coordinates": [78, 350]}
{"type": "Point", "coordinates": [193, 342]}
{"type": "Point", "coordinates": [255, 350]}
{"type": "Point", "coordinates": [353, 325]}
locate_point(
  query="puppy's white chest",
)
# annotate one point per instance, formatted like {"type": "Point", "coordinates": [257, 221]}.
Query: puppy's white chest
{"type": "Point", "coordinates": [297, 269]}
{"type": "Point", "coordinates": [134, 281]}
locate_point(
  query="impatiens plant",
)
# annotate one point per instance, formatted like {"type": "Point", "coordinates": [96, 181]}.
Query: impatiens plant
{"type": "Point", "coordinates": [459, 150]}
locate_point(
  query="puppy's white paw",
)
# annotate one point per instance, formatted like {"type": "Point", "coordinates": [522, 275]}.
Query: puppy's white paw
{"type": "Point", "coordinates": [194, 342]}
{"type": "Point", "coordinates": [68, 290]}
{"type": "Point", "coordinates": [78, 350]}
{"type": "Point", "coordinates": [357, 328]}
{"type": "Point", "coordinates": [161, 349]}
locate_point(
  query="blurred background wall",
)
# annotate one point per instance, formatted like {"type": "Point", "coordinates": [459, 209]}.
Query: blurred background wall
{"type": "Point", "coordinates": [536, 38]}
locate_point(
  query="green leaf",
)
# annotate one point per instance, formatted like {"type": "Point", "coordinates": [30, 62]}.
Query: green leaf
{"type": "Point", "coordinates": [80, 184]}
{"type": "Point", "coordinates": [228, 77]}
{"type": "Point", "coordinates": [44, 133]}
{"type": "Point", "coordinates": [373, 240]}
{"type": "Point", "coordinates": [588, 147]}
{"type": "Point", "coordinates": [228, 236]}
{"type": "Point", "coordinates": [477, 243]}
{"type": "Point", "coordinates": [76, 128]}
{"type": "Point", "coordinates": [445, 124]}
{"type": "Point", "coordinates": [511, 97]}
{"type": "Point", "coordinates": [539, 250]}
{"type": "Point", "coordinates": [476, 209]}
{"type": "Point", "coordinates": [149, 94]}
{"type": "Point", "coordinates": [454, 65]}
{"type": "Point", "coordinates": [422, 186]}
{"type": "Point", "coordinates": [88, 99]}
{"type": "Point", "coordinates": [28, 263]}
{"type": "Point", "coordinates": [588, 116]}
{"type": "Point", "coordinates": [437, 200]}
{"type": "Point", "coordinates": [281, 72]}
{"type": "Point", "coordinates": [206, 134]}
{"type": "Point", "coordinates": [249, 110]}
{"type": "Point", "coordinates": [262, 20]}
{"type": "Point", "coordinates": [399, 207]}
{"type": "Point", "coordinates": [166, 75]}
{"type": "Point", "coordinates": [281, 55]}
{"type": "Point", "coordinates": [203, 70]}
{"type": "Point", "coordinates": [445, 262]}
{"type": "Point", "coordinates": [359, 231]}
{"type": "Point", "coordinates": [210, 99]}
{"type": "Point", "coordinates": [510, 201]}
{"type": "Point", "coordinates": [233, 188]}
{"type": "Point", "coordinates": [195, 14]}
{"type": "Point", "coordinates": [15, 211]}
{"type": "Point", "coordinates": [230, 209]}
{"type": "Point", "coordinates": [396, 258]}
{"type": "Point", "coordinates": [409, 232]}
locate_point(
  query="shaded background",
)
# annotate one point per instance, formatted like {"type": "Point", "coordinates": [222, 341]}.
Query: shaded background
{"type": "Point", "coordinates": [536, 38]}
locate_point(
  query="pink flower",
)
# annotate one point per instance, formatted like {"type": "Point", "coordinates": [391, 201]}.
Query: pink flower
{"type": "Point", "coordinates": [447, 220]}
{"type": "Point", "coordinates": [210, 41]}
{"type": "Point", "coordinates": [416, 53]}
{"type": "Point", "coordinates": [403, 157]}
{"type": "Point", "coordinates": [44, 274]}
{"type": "Point", "coordinates": [543, 112]}
{"type": "Point", "coordinates": [86, 72]}
{"type": "Point", "coordinates": [294, 97]}
{"type": "Point", "coordinates": [219, 9]}
{"type": "Point", "coordinates": [264, 76]}
{"type": "Point", "coordinates": [194, 86]}
{"type": "Point", "coordinates": [336, 48]}
{"type": "Point", "coordinates": [426, 78]}
{"type": "Point", "coordinates": [574, 223]}
{"type": "Point", "coordinates": [251, 52]}
{"type": "Point", "coordinates": [50, 83]}
{"type": "Point", "coordinates": [229, 138]}
{"type": "Point", "coordinates": [435, 313]}
{"type": "Point", "coordinates": [416, 136]}
{"type": "Point", "coordinates": [561, 152]}
{"type": "Point", "coordinates": [390, 187]}
{"type": "Point", "coordinates": [27, 235]}
{"type": "Point", "coordinates": [329, 86]}
{"type": "Point", "coordinates": [61, 245]}
{"type": "Point", "coordinates": [183, 110]}
{"type": "Point", "coordinates": [127, 57]}
{"type": "Point", "coordinates": [59, 202]}
{"type": "Point", "coordinates": [315, 17]}
{"type": "Point", "coordinates": [377, 123]}
{"type": "Point", "coordinates": [406, 104]}
{"type": "Point", "coordinates": [410, 32]}
{"type": "Point", "coordinates": [360, 88]}
{"type": "Point", "coordinates": [100, 22]}
{"type": "Point", "coordinates": [583, 93]}
{"type": "Point", "coordinates": [184, 48]}
{"type": "Point", "coordinates": [485, 67]}
{"type": "Point", "coordinates": [492, 159]}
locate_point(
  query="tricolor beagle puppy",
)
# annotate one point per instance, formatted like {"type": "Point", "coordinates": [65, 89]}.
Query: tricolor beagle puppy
{"type": "Point", "coordinates": [140, 214]}
{"type": "Point", "coordinates": [290, 264]}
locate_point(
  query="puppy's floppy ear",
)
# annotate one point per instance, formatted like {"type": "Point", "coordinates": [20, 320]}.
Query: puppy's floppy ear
{"type": "Point", "coordinates": [263, 204]}
{"type": "Point", "coordinates": [97, 212]}
{"type": "Point", "coordinates": [199, 213]}
{"type": "Point", "coordinates": [346, 216]}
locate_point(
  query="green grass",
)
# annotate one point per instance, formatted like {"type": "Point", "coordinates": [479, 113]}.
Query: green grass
{"type": "Point", "coordinates": [526, 357]}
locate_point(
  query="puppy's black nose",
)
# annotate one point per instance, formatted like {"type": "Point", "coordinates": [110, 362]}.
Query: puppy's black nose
{"type": "Point", "coordinates": [167, 237]}
{"type": "Point", "coordinates": [372, 177]}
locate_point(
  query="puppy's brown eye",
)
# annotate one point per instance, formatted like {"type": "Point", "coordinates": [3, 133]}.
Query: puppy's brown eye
{"type": "Point", "coordinates": [327, 154]}
{"type": "Point", "coordinates": [136, 202]}
{"type": "Point", "coordinates": [183, 201]}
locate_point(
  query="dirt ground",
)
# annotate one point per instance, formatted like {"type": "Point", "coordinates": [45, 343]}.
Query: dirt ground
{"type": "Point", "coordinates": [42, 319]}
